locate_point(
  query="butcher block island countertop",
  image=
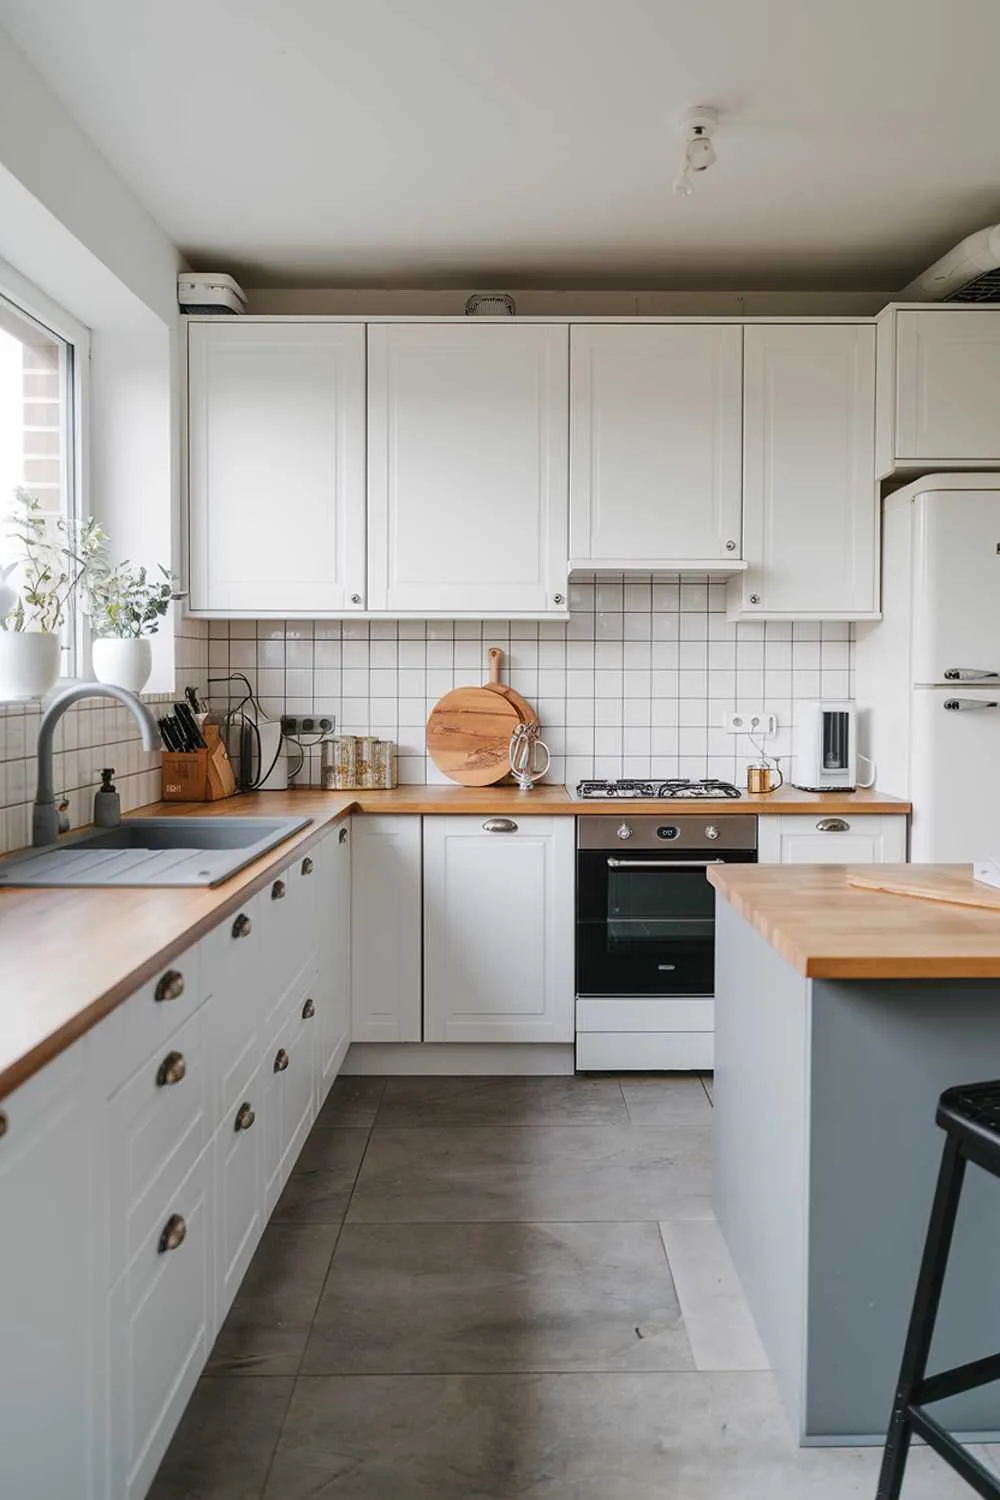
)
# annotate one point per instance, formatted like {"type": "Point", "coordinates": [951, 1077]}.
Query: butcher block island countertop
{"type": "Point", "coordinates": [827, 929]}
{"type": "Point", "coordinates": [68, 957]}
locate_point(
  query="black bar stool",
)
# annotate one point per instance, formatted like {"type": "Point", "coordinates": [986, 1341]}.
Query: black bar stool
{"type": "Point", "coordinates": [970, 1117]}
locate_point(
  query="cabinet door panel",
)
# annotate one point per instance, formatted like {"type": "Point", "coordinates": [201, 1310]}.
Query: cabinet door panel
{"type": "Point", "coordinates": [276, 466]}
{"type": "Point", "coordinates": [239, 1189]}
{"type": "Point", "coordinates": [498, 915]}
{"type": "Point", "coordinates": [385, 929]}
{"type": "Point", "coordinates": [467, 486]}
{"type": "Point", "coordinates": [655, 443]}
{"type": "Point", "coordinates": [50, 1412]}
{"type": "Point", "coordinates": [948, 375]}
{"type": "Point", "coordinates": [810, 501]}
{"type": "Point", "coordinates": [333, 985]}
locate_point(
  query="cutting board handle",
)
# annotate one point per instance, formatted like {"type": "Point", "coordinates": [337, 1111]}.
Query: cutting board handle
{"type": "Point", "coordinates": [495, 657]}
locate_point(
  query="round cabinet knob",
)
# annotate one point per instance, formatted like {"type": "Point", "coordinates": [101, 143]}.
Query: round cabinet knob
{"type": "Point", "coordinates": [711, 832]}
{"type": "Point", "coordinates": [171, 1070]}
{"type": "Point", "coordinates": [170, 987]}
{"type": "Point", "coordinates": [754, 598]}
{"type": "Point", "coordinates": [243, 926]}
{"type": "Point", "coordinates": [308, 1010]}
{"type": "Point", "coordinates": [244, 1117]}
{"type": "Point", "coordinates": [281, 1060]}
{"type": "Point", "coordinates": [558, 599]}
{"type": "Point", "coordinates": [307, 866]}
{"type": "Point", "coordinates": [174, 1232]}
{"type": "Point", "coordinates": [278, 891]}
{"type": "Point", "coordinates": [355, 598]}
{"type": "Point", "coordinates": [625, 831]}
{"type": "Point", "coordinates": [3, 1124]}
{"type": "Point", "coordinates": [342, 836]}
{"type": "Point", "coordinates": [730, 546]}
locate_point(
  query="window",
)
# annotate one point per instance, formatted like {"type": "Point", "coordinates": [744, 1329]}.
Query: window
{"type": "Point", "coordinates": [39, 424]}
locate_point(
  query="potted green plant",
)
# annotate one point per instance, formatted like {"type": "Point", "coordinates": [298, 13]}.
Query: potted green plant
{"type": "Point", "coordinates": [53, 556]}
{"type": "Point", "coordinates": [126, 606]}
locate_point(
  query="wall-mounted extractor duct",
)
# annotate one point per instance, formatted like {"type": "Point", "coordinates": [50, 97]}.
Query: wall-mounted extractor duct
{"type": "Point", "coordinates": [200, 292]}
{"type": "Point", "coordinates": [969, 273]}
{"type": "Point", "coordinates": [490, 305]}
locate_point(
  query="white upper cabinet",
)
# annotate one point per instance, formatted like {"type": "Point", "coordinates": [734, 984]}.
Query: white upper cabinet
{"type": "Point", "coordinates": [498, 929]}
{"type": "Point", "coordinates": [276, 467]}
{"type": "Point", "coordinates": [939, 374]}
{"type": "Point", "coordinates": [655, 444]}
{"type": "Point", "coordinates": [467, 460]}
{"type": "Point", "coordinates": [810, 501]}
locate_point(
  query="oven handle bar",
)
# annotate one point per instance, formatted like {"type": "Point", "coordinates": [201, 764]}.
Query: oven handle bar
{"type": "Point", "coordinates": [615, 863]}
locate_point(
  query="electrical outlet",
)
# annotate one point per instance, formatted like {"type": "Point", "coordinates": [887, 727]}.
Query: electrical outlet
{"type": "Point", "coordinates": [756, 722]}
{"type": "Point", "coordinates": [294, 724]}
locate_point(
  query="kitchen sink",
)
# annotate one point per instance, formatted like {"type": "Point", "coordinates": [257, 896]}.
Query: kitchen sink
{"type": "Point", "coordinates": [151, 851]}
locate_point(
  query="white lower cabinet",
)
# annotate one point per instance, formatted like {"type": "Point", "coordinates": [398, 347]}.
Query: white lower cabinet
{"type": "Point", "coordinates": [239, 1193]}
{"type": "Point", "coordinates": [332, 1035]}
{"type": "Point", "coordinates": [52, 1401]}
{"type": "Point", "coordinates": [287, 1094]}
{"type": "Point", "coordinates": [498, 929]}
{"type": "Point", "coordinates": [160, 1332]}
{"type": "Point", "coordinates": [385, 929]}
{"type": "Point", "coordinates": [849, 839]}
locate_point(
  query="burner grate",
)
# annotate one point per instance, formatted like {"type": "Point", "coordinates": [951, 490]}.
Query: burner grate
{"type": "Point", "coordinates": [678, 789]}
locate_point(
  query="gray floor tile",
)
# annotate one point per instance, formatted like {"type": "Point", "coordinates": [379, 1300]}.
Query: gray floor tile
{"type": "Point", "coordinates": [352, 1101]}
{"type": "Point", "coordinates": [493, 1297]}
{"type": "Point", "coordinates": [665, 1098]}
{"type": "Point", "coordinates": [319, 1189]}
{"type": "Point", "coordinates": [565, 1437]}
{"type": "Point", "coordinates": [717, 1319]}
{"type": "Point", "coordinates": [548, 1173]}
{"type": "Point", "coordinates": [266, 1330]}
{"type": "Point", "coordinates": [225, 1442]}
{"type": "Point", "coordinates": [501, 1101]}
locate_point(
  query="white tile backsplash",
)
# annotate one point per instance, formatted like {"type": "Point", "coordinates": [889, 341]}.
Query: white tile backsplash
{"type": "Point", "coordinates": [635, 684]}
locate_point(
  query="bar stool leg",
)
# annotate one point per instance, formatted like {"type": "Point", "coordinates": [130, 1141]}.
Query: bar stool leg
{"type": "Point", "coordinates": [923, 1316]}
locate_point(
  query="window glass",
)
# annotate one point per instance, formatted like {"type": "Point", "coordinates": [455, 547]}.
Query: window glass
{"type": "Point", "coordinates": [36, 434]}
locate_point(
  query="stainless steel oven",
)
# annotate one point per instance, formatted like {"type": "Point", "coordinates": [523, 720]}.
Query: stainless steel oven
{"type": "Point", "coordinates": [645, 912]}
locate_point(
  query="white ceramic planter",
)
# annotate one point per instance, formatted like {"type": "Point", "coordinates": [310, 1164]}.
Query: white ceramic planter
{"type": "Point", "coordinates": [29, 664]}
{"type": "Point", "coordinates": [125, 663]}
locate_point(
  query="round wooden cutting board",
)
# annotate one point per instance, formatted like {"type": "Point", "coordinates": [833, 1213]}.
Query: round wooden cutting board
{"type": "Point", "coordinates": [468, 735]}
{"type": "Point", "coordinates": [525, 711]}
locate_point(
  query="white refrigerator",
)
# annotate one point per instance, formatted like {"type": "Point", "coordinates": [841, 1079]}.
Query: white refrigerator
{"type": "Point", "coordinates": [928, 674]}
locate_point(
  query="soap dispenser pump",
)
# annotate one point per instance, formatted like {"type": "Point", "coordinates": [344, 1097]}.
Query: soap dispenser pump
{"type": "Point", "coordinates": [107, 803]}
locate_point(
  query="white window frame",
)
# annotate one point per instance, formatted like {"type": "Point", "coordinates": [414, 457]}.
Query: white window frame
{"type": "Point", "coordinates": [27, 298]}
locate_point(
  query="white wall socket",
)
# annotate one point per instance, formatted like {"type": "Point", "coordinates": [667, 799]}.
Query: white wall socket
{"type": "Point", "coordinates": [756, 722]}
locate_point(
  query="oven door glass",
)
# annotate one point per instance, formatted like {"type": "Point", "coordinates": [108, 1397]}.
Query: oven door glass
{"type": "Point", "coordinates": [646, 925]}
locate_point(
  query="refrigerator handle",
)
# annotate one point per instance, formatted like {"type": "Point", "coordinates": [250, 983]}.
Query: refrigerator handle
{"type": "Point", "coordinates": [966, 705]}
{"type": "Point", "coordinates": [969, 674]}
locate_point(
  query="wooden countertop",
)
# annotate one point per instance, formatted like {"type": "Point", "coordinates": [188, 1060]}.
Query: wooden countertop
{"type": "Point", "coordinates": [827, 929]}
{"type": "Point", "coordinates": [58, 981]}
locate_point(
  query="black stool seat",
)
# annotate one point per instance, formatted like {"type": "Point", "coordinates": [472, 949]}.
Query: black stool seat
{"type": "Point", "coordinates": [969, 1115]}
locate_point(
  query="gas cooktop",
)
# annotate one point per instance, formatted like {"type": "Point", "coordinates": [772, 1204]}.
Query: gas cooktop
{"type": "Point", "coordinates": [651, 791]}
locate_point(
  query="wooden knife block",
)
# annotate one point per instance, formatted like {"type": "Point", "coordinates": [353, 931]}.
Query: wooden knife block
{"type": "Point", "coordinates": [199, 775]}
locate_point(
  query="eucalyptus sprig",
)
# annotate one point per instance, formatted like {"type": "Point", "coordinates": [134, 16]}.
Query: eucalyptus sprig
{"type": "Point", "coordinates": [56, 557]}
{"type": "Point", "coordinates": [124, 601]}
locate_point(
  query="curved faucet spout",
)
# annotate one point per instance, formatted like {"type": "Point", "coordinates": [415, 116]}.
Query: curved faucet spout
{"type": "Point", "coordinates": [45, 818]}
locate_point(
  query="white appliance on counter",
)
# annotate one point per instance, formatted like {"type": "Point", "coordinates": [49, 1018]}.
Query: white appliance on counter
{"type": "Point", "coordinates": [824, 755]}
{"type": "Point", "coordinates": [928, 674]}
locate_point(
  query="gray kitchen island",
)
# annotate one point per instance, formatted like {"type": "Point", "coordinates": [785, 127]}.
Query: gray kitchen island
{"type": "Point", "coordinates": [841, 1015]}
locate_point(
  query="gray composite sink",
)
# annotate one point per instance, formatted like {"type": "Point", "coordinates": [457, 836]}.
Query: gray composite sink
{"type": "Point", "coordinates": [151, 851]}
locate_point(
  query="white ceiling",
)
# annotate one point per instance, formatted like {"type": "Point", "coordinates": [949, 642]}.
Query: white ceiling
{"type": "Point", "coordinates": [533, 142]}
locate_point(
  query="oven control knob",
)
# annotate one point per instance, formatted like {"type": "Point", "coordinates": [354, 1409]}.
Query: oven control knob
{"type": "Point", "coordinates": [711, 832]}
{"type": "Point", "coordinates": [625, 832]}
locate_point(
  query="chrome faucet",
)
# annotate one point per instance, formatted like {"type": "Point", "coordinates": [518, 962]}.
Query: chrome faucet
{"type": "Point", "coordinates": [45, 817]}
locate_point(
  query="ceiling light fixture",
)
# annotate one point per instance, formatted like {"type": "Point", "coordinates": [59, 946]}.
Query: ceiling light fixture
{"type": "Point", "coordinates": [698, 125]}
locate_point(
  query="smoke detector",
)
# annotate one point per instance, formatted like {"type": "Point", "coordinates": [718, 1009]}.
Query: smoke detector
{"type": "Point", "coordinates": [698, 125]}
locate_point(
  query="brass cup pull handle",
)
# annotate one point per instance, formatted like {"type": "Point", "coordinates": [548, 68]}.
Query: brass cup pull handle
{"type": "Point", "coordinates": [278, 891]}
{"type": "Point", "coordinates": [499, 825]}
{"type": "Point", "coordinates": [281, 1060]}
{"type": "Point", "coordinates": [307, 866]}
{"type": "Point", "coordinates": [171, 1070]}
{"type": "Point", "coordinates": [243, 926]}
{"type": "Point", "coordinates": [308, 1010]}
{"type": "Point", "coordinates": [833, 825]}
{"type": "Point", "coordinates": [170, 987]}
{"type": "Point", "coordinates": [174, 1232]}
{"type": "Point", "coordinates": [244, 1117]}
